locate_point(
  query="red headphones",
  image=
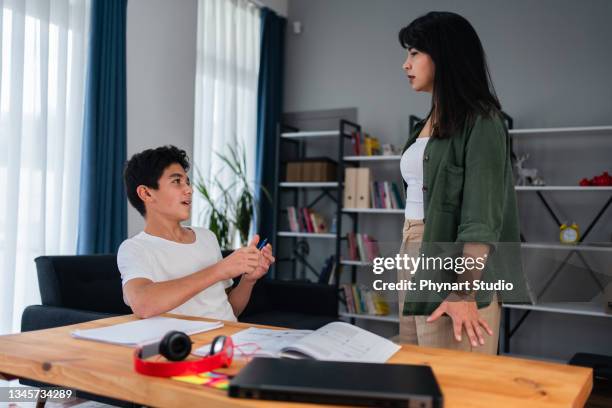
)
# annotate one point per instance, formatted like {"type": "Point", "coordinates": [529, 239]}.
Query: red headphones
{"type": "Point", "coordinates": [176, 346]}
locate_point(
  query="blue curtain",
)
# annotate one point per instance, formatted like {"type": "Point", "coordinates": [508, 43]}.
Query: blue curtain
{"type": "Point", "coordinates": [269, 109]}
{"type": "Point", "coordinates": [103, 204]}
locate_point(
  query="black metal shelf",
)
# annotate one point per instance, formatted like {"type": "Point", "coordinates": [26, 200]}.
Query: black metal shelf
{"type": "Point", "coordinates": [332, 190]}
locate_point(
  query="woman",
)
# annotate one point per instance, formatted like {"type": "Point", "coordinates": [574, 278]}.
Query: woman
{"type": "Point", "coordinates": [457, 169]}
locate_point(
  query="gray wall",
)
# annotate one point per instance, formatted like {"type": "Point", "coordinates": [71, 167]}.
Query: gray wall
{"type": "Point", "coordinates": [161, 56]}
{"type": "Point", "coordinates": [550, 64]}
{"type": "Point", "coordinates": [549, 59]}
{"type": "Point", "coordinates": [161, 62]}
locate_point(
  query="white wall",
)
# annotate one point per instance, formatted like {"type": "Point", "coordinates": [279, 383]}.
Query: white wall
{"type": "Point", "coordinates": [161, 44]}
{"type": "Point", "coordinates": [549, 59]}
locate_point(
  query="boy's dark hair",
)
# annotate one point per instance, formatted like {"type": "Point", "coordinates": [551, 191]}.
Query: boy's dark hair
{"type": "Point", "coordinates": [146, 168]}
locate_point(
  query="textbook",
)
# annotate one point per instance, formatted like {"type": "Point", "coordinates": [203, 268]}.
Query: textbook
{"type": "Point", "coordinates": [336, 341]}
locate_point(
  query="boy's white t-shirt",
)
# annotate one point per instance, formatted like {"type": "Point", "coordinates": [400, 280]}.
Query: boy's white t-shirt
{"type": "Point", "coordinates": [159, 260]}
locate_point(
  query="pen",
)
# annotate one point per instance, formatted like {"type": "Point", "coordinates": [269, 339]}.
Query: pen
{"type": "Point", "coordinates": [262, 244]}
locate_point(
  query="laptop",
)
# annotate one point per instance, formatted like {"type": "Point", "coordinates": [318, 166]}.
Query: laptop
{"type": "Point", "coordinates": [330, 382]}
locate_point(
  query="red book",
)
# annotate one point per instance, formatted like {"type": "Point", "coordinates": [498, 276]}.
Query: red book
{"type": "Point", "coordinates": [307, 220]}
{"type": "Point", "coordinates": [371, 247]}
{"type": "Point", "coordinates": [381, 193]}
{"type": "Point", "coordinates": [302, 222]}
{"type": "Point", "coordinates": [356, 143]}
{"type": "Point", "coordinates": [352, 246]}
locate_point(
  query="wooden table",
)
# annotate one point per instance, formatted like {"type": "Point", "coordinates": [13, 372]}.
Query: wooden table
{"type": "Point", "coordinates": [467, 379]}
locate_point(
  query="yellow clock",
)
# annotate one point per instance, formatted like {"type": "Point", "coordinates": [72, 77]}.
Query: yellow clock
{"type": "Point", "coordinates": [569, 234]}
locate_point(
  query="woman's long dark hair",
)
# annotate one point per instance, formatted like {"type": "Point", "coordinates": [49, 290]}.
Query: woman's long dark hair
{"type": "Point", "coordinates": [462, 83]}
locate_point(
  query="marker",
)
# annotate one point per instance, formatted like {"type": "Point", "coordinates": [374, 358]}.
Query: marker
{"type": "Point", "coordinates": [262, 244]}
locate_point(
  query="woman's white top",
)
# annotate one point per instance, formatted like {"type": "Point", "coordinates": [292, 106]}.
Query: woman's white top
{"type": "Point", "coordinates": [411, 166]}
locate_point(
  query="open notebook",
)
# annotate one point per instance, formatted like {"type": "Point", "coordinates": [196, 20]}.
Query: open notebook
{"type": "Point", "coordinates": [337, 341]}
{"type": "Point", "coordinates": [144, 331]}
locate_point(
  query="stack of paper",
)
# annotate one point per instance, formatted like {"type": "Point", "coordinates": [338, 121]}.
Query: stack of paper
{"type": "Point", "coordinates": [144, 331]}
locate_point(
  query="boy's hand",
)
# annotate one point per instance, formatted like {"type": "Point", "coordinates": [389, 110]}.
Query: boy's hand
{"type": "Point", "coordinates": [265, 260]}
{"type": "Point", "coordinates": [243, 260]}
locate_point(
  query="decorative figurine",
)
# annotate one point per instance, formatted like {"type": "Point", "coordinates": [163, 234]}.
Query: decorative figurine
{"type": "Point", "coordinates": [526, 177]}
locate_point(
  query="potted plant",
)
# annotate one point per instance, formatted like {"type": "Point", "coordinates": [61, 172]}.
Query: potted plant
{"type": "Point", "coordinates": [235, 206]}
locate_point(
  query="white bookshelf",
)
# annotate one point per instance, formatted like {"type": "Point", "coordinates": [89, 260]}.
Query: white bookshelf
{"type": "Point", "coordinates": [354, 263]}
{"type": "Point", "coordinates": [305, 235]}
{"type": "Point", "coordinates": [583, 130]}
{"type": "Point", "coordinates": [308, 184]}
{"type": "Point", "coordinates": [374, 210]}
{"type": "Point", "coordinates": [572, 308]}
{"type": "Point", "coordinates": [388, 318]}
{"type": "Point", "coordinates": [310, 134]}
{"type": "Point", "coordinates": [371, 158]}
{"type": "Point", "coordinates": [567, 247]}
{"type": "Point", "coordinates": [562, 188]}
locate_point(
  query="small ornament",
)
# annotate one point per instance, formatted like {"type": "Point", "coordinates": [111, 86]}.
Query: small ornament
{"type": "Point", "coordinates": [388, 150]}
{"type": "Point", "coordinates": [526, 177]}
{"type": "Point", "coordinates": [603, 180]}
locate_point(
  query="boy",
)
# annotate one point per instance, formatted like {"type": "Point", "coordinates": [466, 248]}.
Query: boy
{"type": "Point", "coordinates": [171, 268]}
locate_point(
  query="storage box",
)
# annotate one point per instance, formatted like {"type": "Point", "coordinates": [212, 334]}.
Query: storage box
{"type": "Point", "coordinates": [294, 171]}
{"type": "Point", "coordinates": [318, 169]}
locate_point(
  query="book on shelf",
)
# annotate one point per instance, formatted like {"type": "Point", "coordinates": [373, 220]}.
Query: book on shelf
{"type": "Point", "coordinates": [356, 143]}
{"type": "Point", "coordinates": [336, 270]}
{"type": "Point", "coordinates": [361, 247]}
{"type": "Point", "coordinates": [293, 219]}
{"type": "Point", "coordinates": [386, 195]}
{"type": "Point", "coordinates": [361, 192]}
{"type": "Point", "coordinates": [306, 220]}
{"type": "Point", "coordinates": [398, 197]}
{"type": "Point", "coordinates": [357, 187]}
{"type": "Point", "coordinates": [357, 299]}
{"type": "Point", "coordinates": [360, 299]}
{"type": "Point", "coordinates": [328, 272]}
{"type": "Point", "coordinates": [364, 144]}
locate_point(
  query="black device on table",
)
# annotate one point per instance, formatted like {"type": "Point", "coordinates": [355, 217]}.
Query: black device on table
{"type": "Point", "coordinates": [330, 382]}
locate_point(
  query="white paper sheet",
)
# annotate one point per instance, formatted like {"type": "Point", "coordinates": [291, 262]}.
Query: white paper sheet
{"type": "Point", "coordinates": [253, 342]}
{"type": "Point", "coordinates": [144, 331]}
